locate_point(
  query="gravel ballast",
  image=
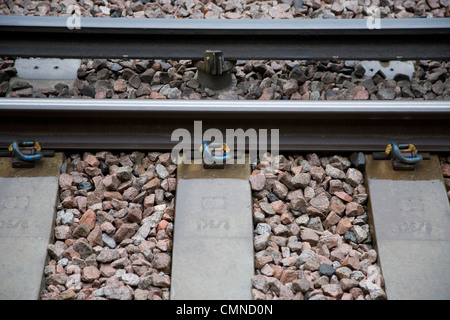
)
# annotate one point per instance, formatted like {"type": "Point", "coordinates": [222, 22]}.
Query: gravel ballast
{"type": "Point", "coordinates": [312, 239]}
{"type": "Point", "coordinates": [232, 9]}
{"type": "Point", "coordinates": [254, 80]}
{"type": "Point", "coordinates": [113, 229]}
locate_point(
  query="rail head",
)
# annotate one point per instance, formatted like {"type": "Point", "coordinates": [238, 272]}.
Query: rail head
{"type": "Point", "coordinates": [340, 109]}
{"type": "Point", "coordinates": [319, 39]}
{"type": "Point", "coordinates": [266, 27]}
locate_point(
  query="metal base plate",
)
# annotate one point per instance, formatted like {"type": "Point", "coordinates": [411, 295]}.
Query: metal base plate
{"type": "Point", "coordinates": [410, 216]}
{"type": "Point", "coordinates": [47, 68]}
{"type": "Point", "coordinates": [389, 68]}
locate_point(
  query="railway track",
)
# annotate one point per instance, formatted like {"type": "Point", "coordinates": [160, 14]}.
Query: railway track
{"type": "Point", "coordinates": [306, 125]}
{"type": "Point", "coordinates": [395, 39]}
{"type": "Point", "coordinates": [312, 248]}
{"type": "Point", "coordinates": [149, 124]}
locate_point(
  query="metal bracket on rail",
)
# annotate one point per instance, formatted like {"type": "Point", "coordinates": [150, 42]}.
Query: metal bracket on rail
{"type": "Point", "coordinates": [214, 72]}
{"type": "Point", "coordinates": [214, 154]}
{"type": "Point", "coordinates": [404, 156]}
{"type": "Point", "coordinates": [25, 154]}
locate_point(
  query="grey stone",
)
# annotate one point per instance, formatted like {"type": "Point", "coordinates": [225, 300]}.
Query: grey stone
{"type": "Point", "coordinates": [89, 91]}
{"type": "Point", "coordinates": [85, 185]}
{"type": "Point", "coordinates": [281, 163]}
{"type": "Point", "coordinates": [108, 255]}
{"type": "Point", "coordinates": [20, 84]}
{"type": "Point", "coordinates": [360, 198]}
{"type": "Point", "coordinates": [332, 94]}
{"type": "Point", "coordinates": [326, 269]}
{"type": "Point", "coordinates": [298, 75]}
{"type": "Point", "coordinates": [131, 279]}
{"type": "Point", "coordinates": [281, 230]}
{"type": "Point", "coordinates": [271, 197]}
{"type": "Point", "coordinates": [328, 77]}
{"type": "Point", "coordinates": [307, 254]}
{"type": "Point", "coordinates": [147, 75]}
{"type": "Point", "coordinates": [305, 165]}
{"type": "Point", "coordinates": [321, 203]}
{"type": "Point", "coordinates": [117, 291]}
{"type": "Point", "coordinates": [290, 87]}
{"type": "Point", "coordinates": [110, 242]}
{"type": "Point", "coordinates": [374, 290]}
{"type": "Point", "coordinates": [142, 232]}
{"type": "Point", "coordinates": [316, 86]}
{"type": "Point", "coordinates": [55, 252]}
{"type": "Point", "coordinates": [67, 217]}
{"type": "Point", "coordinates": [358, 160]}
{"type": "Point", "coordinates": [359, 70]}
{"type": "Point", "coordinates": [437, 74]}
{"type": "Point", "coordinates": [298, 201]}
{"type": "Point", "coordinates": [260, 282]}
{"type": "Point", "coordinates": [99, 292]}
{"type": "Point", "coordinates": [228, 95]}
{"type": "Point", "coordinates": [145, 282]}
{"type": "Point", "coordinates": [160, 280]}
{"type": "Point", "coordinates": [161, 171]}
{"type": "Point", "coordinates": [343, 272]}
{"type": "Point", "coordinates": [418, 90]}
{"type": "Point", "coordinates": [279, 189]}
{"type": "Point", "coordinates": [360, 233]}
{"type": "Point", "coordinates": [315, 223]}
{"type": "Point", "coordinates": [386, 94]}
{"type": "Point", "coordinates": [174, 93]}
{"type": "Point", "coordinates": [344, 161]}
{"type": "Point", "coordinates": [354, 177]}
{"type": "Point", "coordinates": [81, 231]}
{"type": "Point", "coordinates": [257, 181]}
{"type": "Point", "coordinates": [162, 262]}
{"type": "Point", "coordinates": [301, 180]}
{"type": "Point", "coordinates": [260, 242]}
{"type": "Point", "coordinates": [83, 248]}
{"type": "Point", "coordinates": [301, 285]}
{"type": "Point", "coordinates": [267, 208]}
{"type": "Point", "coordinates": [154, 219]}
{"type": "Point", "coordinates": [317, 173]}
{"type": "Point", "coordinates": [350, 236]}
{"type": "Point", "coordinates": [354, 209]}
{"type": "Point", "coordinates": [302, 220]}
{"type": "Point", "coordinates": [263, 228]}
{"type": "Point", "coordinates": [125, 173]}
{"type": "Point", "coordinates": [334, 172]}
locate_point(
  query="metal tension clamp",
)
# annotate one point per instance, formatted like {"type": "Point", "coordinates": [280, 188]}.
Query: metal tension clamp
{"type": "Point", "coordinates": [214, 154]}
{"type": "Point", "coordinates": [404, 156]}
{"type": "Point", "coordinates": [25, 154]}
{"type": "Point", "coordinates": [214, 72]}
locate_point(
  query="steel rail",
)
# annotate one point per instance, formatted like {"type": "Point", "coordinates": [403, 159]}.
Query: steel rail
{"type": "Point", "coordinates": [415, 38]}
{"type": "Point", "coordinates": [87, 124]}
